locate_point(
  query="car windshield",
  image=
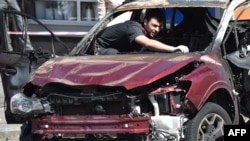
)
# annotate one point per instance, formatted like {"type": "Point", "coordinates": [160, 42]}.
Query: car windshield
{"type": "Point", "coordinates": [190, 26]}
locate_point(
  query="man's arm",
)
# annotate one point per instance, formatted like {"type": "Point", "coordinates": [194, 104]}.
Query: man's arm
{"type": "Point", "coordinates": [158, 46]}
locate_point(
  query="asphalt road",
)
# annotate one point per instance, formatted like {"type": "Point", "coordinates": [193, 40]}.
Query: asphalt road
{"type": "Point", "coordinates": [8, 132]}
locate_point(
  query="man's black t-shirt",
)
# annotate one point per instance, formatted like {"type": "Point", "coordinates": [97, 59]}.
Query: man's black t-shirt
{"type": "Point", "coordinates": [120, 36]}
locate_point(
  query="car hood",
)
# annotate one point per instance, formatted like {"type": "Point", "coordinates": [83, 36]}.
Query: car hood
{"type": "Point", "coordinates": [129, 71]}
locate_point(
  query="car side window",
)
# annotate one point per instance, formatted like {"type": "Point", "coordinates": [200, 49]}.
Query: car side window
{"type": "Point", "coordinates": [173, 17]}
{"type": "Point", "coordinates": [237, 48]}
{"type": "Point", "coordinates": [189, 26]}
{"type": "Point", "coordinates": [238, 35]}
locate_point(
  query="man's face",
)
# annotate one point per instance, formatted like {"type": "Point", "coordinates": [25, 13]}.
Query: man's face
{"type": "Point", "coordinates": [153, 26]}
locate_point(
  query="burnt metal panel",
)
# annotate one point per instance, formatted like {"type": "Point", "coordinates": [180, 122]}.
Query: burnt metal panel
{"type": "Point", "coordinates": [139, 4]}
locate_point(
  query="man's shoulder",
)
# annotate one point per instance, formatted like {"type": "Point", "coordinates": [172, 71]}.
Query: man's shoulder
{"type": "Point", "coordinates": [132, 23]}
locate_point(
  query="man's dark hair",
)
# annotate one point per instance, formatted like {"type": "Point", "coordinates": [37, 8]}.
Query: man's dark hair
{"type": "Point", "coordinates": [155, 13]}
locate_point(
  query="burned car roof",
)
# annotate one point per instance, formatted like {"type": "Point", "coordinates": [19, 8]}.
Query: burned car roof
{"type": "Point", "coordinates": [138, 4]}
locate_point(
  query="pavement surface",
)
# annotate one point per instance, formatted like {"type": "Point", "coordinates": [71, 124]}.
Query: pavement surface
{"type": "Point", "coordinates": [8, 132]}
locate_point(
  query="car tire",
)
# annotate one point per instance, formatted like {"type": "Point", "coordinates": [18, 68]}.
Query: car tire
{"type": "Point", "coordinates": [207, 124]}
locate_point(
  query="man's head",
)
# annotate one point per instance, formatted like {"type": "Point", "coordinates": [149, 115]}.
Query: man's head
{"type": "Point", "coordinates": [153, 21]}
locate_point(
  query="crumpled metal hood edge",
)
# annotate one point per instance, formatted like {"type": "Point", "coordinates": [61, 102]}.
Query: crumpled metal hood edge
{"type": "Point", "coordinates": [129, 71]}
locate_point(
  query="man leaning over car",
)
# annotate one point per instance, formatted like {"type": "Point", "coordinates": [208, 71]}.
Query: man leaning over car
{"type": "Point", "coordinates": [131, 36]}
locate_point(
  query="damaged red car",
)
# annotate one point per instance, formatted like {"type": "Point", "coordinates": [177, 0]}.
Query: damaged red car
{"type": "Point", "coordinates": [139, 96]}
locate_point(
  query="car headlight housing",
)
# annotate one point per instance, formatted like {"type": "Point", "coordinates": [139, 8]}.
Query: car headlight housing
{"type": "Point", "coordinates": [22, 105]}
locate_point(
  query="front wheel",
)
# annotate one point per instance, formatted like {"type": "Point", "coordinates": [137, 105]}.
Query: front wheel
{"type": "Point", "coordinates": [208, 124]}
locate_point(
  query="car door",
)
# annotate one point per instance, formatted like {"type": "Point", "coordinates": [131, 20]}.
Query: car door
{"type": "Point", "coordinates": [18, 64]}
{"type": "Point", "coordinates": [236, 49]}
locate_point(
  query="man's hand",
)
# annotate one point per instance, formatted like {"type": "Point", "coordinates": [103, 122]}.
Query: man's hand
{"type": "Point", "coordinates": [182, 48]}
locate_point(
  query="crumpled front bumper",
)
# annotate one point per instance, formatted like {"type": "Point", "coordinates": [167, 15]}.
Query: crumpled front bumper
{"type": "Point", "coordinates": [97, 124]}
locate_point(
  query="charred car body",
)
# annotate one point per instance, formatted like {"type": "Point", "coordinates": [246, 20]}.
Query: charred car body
{"type": "Point", "coordinates": [139, 95]}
